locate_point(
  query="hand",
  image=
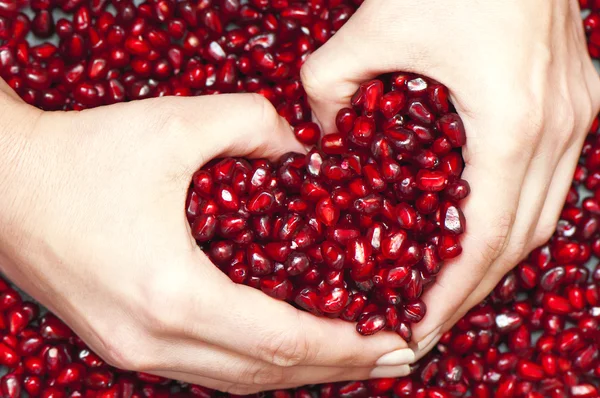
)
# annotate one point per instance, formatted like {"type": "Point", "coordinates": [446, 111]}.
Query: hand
{"type": "Point", "coordinates": [92, 224]}
{"type": "Point", "coordinates": [520, 77]}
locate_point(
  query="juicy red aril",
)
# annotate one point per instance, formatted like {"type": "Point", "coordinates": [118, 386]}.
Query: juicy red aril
{"type": "Point", "coordinates": [452, 127]}
{"type": "Point", "coordinates": [345, 120]}
{"type": "Point", "coordinates": [452, 219]}
{"type": "Point", "coordinates": [369, 324]}
{"type": "Point", "coordinates": [308, 133]}
{"type": "Point", "coordinates": [368, 96]}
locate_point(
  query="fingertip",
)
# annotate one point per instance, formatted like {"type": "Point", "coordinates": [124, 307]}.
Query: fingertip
{"type": "Point", "coordinates": [390, 371]}
{"type": "Point", "coordinates": [396, 358]}
{"type": "Point", "coordinates": [328, 88]}
{"type": "Point", "coordinates": [276, 135]}
{"type": "Point", "coordinates": [324, 117]}
{"type": "Point", "coordinates": [289, 143]}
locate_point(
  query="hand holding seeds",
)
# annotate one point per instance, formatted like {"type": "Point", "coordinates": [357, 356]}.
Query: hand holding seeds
{"type": "Point", "coordinates": [520, 77]}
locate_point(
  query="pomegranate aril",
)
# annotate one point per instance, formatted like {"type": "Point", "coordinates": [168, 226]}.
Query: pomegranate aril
{"type": "Point", "coordinates": [556, 304]}
{"type": "Point", "coordinates": [368, 96]}
{"type": "Point", "coordinates": [449, 247]}
{"type": "Point", "coordinates": [334, 301]}
{"type": "Point", "coordinates": [420, 112]}
{"type": "Point", "coordinates": [431, 181]}
{"type": "Point", "coordinates": [414, 311]}
{"type": "Point", "coordinates": [369, 324]}
{"type": "Point", "coordinates": [258, 261]}
{"type": "Point", "coordinates": [277, 287]}
{"type": "Point", "coordinates": [452, 219]}
{"type": "Point", "coordinates": [8, 356]}
{"type": "Point", "coordinates": [392, 103]}
{"type": "Point", "coordinates": [362, 132]}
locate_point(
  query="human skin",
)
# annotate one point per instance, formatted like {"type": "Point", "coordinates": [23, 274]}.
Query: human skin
{"type": "Point", "coordinates": [520, 77]}
{"type": "Point", "coordinates": [93, 226]}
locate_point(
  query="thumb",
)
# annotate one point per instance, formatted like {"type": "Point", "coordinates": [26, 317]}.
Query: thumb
{"type": "Point", "coordinates": [206, 127]}
{"type": "Point", "coordinates": [371, 43]}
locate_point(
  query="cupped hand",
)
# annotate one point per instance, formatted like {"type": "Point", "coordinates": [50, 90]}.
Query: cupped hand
{"type": "Point", "coordinates": [92, 224]}
{"type": "Point", "coordinates": [520, 77]}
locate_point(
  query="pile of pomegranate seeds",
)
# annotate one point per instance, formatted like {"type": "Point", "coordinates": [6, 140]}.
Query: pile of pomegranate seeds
{"type": "Point", "coordinates": [356, 229]}
{"type": "Point", "coordinates": [535, 336]}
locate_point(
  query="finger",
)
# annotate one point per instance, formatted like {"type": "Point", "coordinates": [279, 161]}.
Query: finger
{"type": "Point", "coordinates": [256, 325]}
{"type": "Point", "coordinates": [532, 200]}
{"type": "Point", "coordinates": [421, 352]}
{"type": "Point", "coordinates": [586, 98]}
{"type": "Point", "coordinates": [363, 48]}
{"type": "Point", "coordinates": [495, 177]}
{"type": "Point", "coordinates": [555, 198]}
{"type": "Point", "coordinates": [201, 128]}
{"type": "Point", "coordinates": [197, 358]}
{"type": "Point", "coordinates": [559, 188]}
{"type": "Point", "coordinates": [544, 192]}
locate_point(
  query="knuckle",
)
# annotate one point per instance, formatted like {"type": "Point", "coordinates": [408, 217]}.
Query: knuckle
{"type": "Point", "coordinates": [531, 123]}
{"type": "Point", "coordinates": [160, 303]}
{"type": "Point", "coordinates": [317, 82]}
{"type": "Point", "coordinates": [168, 119]}
{"type": "Point", "coordinates": [268, 116]}
{"type": "Point", "coordinates": [265, 117]}
{"type": "Point", "coordinates": [515, 249]}
{"type": "Point", "coordinates": [124, 352]}
{"type": "Point", "coordinates": [264, 375]}
{"type": "Point", "coordinates": [524, 125]}
{"type": "Point", "coordinates": [323, 86]}
{"type": "Point", "coordinates": [309, 77]}
{"type": "Point", "coordinates": [496, 239]}
{"type": "Point", "coordinates": [564, 124]}
{"type": "Point", "coordinates": [514, 150]}
{"type": "Point", "coordinates": [544, 232]}
{"type": "Point", "coordinates": [286, 349]}
{"type": "Point", "coordinates": [541, 237]}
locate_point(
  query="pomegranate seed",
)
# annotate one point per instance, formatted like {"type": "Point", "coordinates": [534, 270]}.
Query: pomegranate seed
{"type": "Point", "coordinates": [369, 324]}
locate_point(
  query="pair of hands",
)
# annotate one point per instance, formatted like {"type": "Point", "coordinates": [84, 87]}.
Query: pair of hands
{"type": "Point", "coordinates": [92, 222]}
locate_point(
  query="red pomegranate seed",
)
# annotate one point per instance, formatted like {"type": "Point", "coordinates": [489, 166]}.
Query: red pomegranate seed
{"type": "Point", "coordinates": [530, 371]}
{"type": "Point", "coordinates": [556, 304]}
{"type": "Point", "coordinates": [369, 324]}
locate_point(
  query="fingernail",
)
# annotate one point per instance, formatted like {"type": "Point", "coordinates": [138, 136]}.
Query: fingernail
{"type": "Point", "coordinates": [429, 338]}
{"type": "Point", "coordinates": [390, 371]}
{"type": "Point", "coordinates": [395, 358]}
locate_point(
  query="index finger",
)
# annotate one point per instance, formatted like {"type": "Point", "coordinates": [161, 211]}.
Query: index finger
{"type": "Point", "coordinates": [495, 175]}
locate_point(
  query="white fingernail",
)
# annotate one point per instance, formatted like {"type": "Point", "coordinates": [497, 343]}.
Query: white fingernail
{"type": "Point", "coordinates": [390, 371]}
{"type": "Point", "coordinates": [395, 358]}
{"type": "Point", "coordinates": [429, 338]}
